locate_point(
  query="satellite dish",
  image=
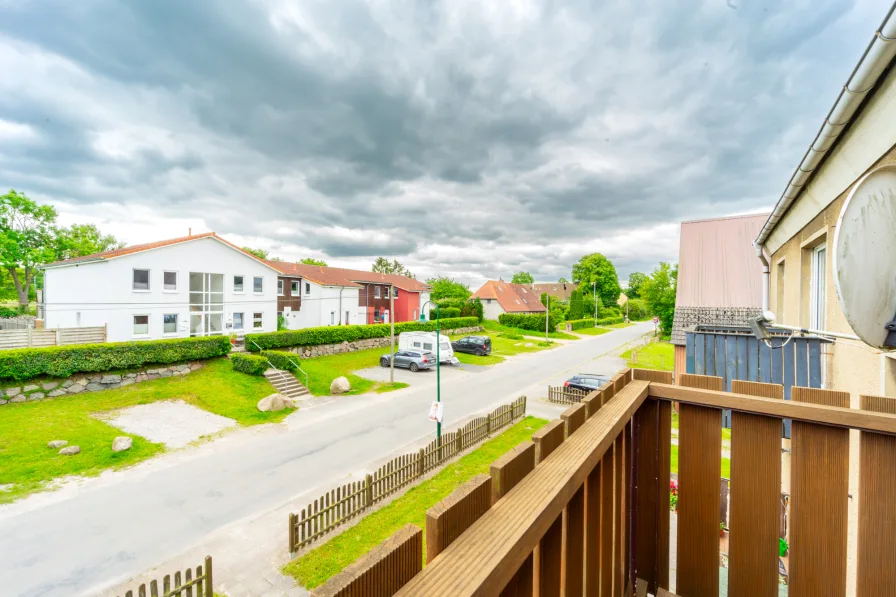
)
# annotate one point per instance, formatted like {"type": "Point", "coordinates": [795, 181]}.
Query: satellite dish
{"type": "Point", "coordinates": [864, 260]}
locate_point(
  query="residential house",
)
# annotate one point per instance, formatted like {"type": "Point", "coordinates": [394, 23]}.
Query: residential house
{"type": "Point", "coordinates": [557, 290]}
{"type": "Point", "coordinates": [857, 136]}
{"type": "Point", "coordinates": [196, 285]}
{"type": "Point", "coordinates": [719, 277]}
{"type": "Point", "coordinates": [317, 296]}
{"type": "Point", "coordinates": [504, 297]}
{"type": "Point", "coordinates": [409, 295]}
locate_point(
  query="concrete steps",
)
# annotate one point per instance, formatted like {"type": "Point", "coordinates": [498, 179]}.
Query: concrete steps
{"type": "Point", "coordinates": [286, 383]}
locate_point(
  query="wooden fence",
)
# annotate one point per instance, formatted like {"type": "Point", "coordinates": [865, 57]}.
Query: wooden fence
{"type": "Point", "coordinates": [564, 395]}
{"type": "Point", "coordinates": [592, 515]}
{"type": "Point", "coordinates": [339, 505]}
{"type": "Point", "coordinates": [38, 338]}
{"type": "Point", "coordinates": [198, 583]}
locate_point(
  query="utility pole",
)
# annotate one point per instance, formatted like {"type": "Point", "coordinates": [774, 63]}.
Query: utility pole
{"type": "Point", "coordinates": [547, 318]}
{"type": "Point", "coordinates": [594, 294]}
{"type": "Point", "coordinates": [392, 344]}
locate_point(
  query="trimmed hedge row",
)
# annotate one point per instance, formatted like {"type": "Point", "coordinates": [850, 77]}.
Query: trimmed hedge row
{"type": "Point", "coordinates": [610, 320]}
{"type": "Point", "coordinates": [251, 364]}
{"type": "Point", "coordinates": [63, 361]}
{"type": "Point", "coordinates": [447, 312]}
{"type": "Point", "coordinates": [527, 321]}
{"type": "Point", "coordinates": [348, 333]}
{"type": "Point", "coordinates": [578, 324]}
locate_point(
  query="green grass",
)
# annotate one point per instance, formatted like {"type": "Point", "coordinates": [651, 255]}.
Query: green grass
{"type": "Point", "coordinates": [318, 565]}
{"type": "Point", "coordinates": [592, 331]}
{"type": "Point", "coordinates": [656, 355]}
{"type": "Point", "coordinates": [619, 326]}
{"type": "Point", "coordinates": [25, 428]}
{"type": "Point", "coordinates": [494, 326]}
{"type": "Point", "coordinates": [504, 344]}
{"type": "Point", "coordinates": [726, 463]}
{"type": "Point", "coordinates": [323, 370]}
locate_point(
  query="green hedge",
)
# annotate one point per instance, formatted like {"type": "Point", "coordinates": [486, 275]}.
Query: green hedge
{"type": "Point", "coordinates": [637, 310]}
{"type": "Point", "coordinates": [348, 333]}
{"type": "Point", "coordinates": [63, 361]}
{"type": "Point", "coordinates": [610, 320]}
{"type": "Point", "coordinates": [578, 324]}
{"type": "Point", "coordinates": [447, 312]}
{"type": "Point", "coordinates": [527, 321]}
{"type": "Point", "coordinates": [251, 364]}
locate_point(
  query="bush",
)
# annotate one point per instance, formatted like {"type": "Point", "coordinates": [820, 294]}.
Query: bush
{"type": "Point", "coordinates": [575, 306]}
{"type": "Point", "coordinates": [454, 303]}
{"type": "Point", "coordinates": [63, 361]}
{"type": "Point", "coordinates": [610, 320]}
{"type": "Point", "coordinates": [606, 312]}
{"type": "Point", "coordinates": [637, 310]}
{"type": "Point", "coordinates": [6, 312]}
{"type": "Point", "coordinates": [251, 364]}
{"type": "Point", "coordinates": [446, 312]}
{"type": "Point", "coordinates": [527, 321]}
{"type": "Point", "coordinates": [578, 324]}
{"type": "Point", "coordinates": [473, 308]}
{"type": "Point", "coordinates": [347, 333]}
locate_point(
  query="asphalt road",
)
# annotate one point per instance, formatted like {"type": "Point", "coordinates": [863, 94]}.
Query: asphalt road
{"type": "Point", "coordinates": [72, 546]}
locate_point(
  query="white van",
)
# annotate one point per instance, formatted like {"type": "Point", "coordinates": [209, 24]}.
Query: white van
{"type": "Point", "coordinates": [427, 341]}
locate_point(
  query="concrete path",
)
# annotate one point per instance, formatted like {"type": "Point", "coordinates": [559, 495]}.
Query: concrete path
{"type": "Point", "coordinates": [229, 498]}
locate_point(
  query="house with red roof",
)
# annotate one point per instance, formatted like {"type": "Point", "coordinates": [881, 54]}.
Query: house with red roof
{"type": "Point", "coordinates": [503, 297]}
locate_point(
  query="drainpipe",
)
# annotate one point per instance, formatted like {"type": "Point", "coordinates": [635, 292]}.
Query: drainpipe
{"type": "Point", "coordinates": [341, 288]}
{"type": "Point", "coordinates": [760, 253]}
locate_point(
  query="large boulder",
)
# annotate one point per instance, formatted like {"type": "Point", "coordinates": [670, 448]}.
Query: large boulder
{"type": "Point", "coordinates": [340, 385]}
{"type": "Point", "coordinates": [122, 443]}
{"type": "Point", "coordinates": [57, 443]}
{"type": "Point", "coordinates": [274, 403]}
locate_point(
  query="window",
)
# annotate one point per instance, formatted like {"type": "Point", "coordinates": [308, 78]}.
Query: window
{"type": "Point", "coordinates": [206, 304]}
{"type": "Point", "coordinates": [257, 285]}
{"type": "Point", "coordinates": [237, 321]}
{"type": "Point", "coordinates": [817, 287]}
{"type": "Point", "coordinates": [346, 318]}
{"type": "Point", "coordinates": [238, 283]}
{"type": "Point", "coordinates": [141, 279]}
{"type": "Point", "coordinates": [416, 345]}
{"type": "Point", "coordinates": [427, 346]}
{"type": "Point", "coordinates": [279, 287]}
{"type": "Point", "coordinates": [295, 288]}
{"type": "Point", "coordinates": [376, 292]}
{"type": "Point", "coordinates": [779, 301]}
{"type": "Point", "coordinates": [257, 320]}
{"type": "Point", "coordinates": [169, 323]}
{"type": "Point", "coordinates": [332, 317]}
{"type": "Point", "coordinates": [169, 280]}
{"type": "Point", "coordinates": [394, 292]}
{"type": "Point", "coordinates": [307, 288]}
{"type": "Point", "coordinates": [141, 325]}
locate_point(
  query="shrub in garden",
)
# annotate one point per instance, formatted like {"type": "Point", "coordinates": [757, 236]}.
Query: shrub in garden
{"type": "Point", "coordinates": [446, 312]}
{"type": "Point", "coordinates": [251, 364]}
{"type": "Point", "coordinates": [63, 361]}
{"type": "Point", "coordinates": [527, 321]}
{"type": "Point", "coordinates": [578, 324]}
{"type": "Point", "coordinates": [637, 310]}
{"type": "Point", "coordinates": [610, 320]}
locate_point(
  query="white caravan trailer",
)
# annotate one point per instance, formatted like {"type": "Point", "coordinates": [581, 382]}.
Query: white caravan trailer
{"type": "Point", "coordinates": [427, 341]}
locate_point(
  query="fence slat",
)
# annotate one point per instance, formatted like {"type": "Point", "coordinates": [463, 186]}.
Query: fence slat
{"type": "Point", "coordinates": [450, 517]}
{"type": "Point", "coordinates": [699, 474]}
{"type": "Point", "coordinates": [755, 497]}
{"type": "Point", "coordinates": [818, 521]}
{"type": "Point", "coordinates": [548, 554]}
{"type": "Point", "coordinates": [506, 472]}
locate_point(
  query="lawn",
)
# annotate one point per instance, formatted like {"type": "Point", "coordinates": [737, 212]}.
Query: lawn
{"type": "Point", "coordinates": [314, 568]}
{"type": "Point", "coordinates": [494, 326]}
{"type": "Point", "coordinates": [726, 463]}
{"type": "Point", "coordinates": [25, 428]}
{"type": "Point", "coordinates": [656, 355]}
{"type": "Point", "coordinates": [592, 331]}
{"type": "Point", "coordinates": [504, 344]}
{"type": "Point", "coordinates": [323, 370]}
{"type": "Point", "coordinates": [619, 326]}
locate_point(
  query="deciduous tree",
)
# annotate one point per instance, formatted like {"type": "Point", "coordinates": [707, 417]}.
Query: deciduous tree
{"type": "Point", "coordinates": [384, 266]}
{"type": "Point", "coordinates": [83, 239]}
{"type": "Point", "coordinates": [443, 287]}
{"type": "Point", "coordinates": [27, 239]}
{"type": "Point", "coordinates": [635, 282]}
{"type": "Point", "coordinates": [523, 278]}
{"type": "Point", "coordinates": [658, 291]}
{"type": "Point", "coordinates": [260, 253]}
{"type": "Point", "coordinates": [312, 261]}
{"type": "Point", "coordinates": [597, 268]}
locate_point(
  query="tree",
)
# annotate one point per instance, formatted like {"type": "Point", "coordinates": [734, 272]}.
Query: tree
{"type": "Point", "coordinates": [260, 253]}
{"type": "Point", "coordinates": [658, 291]}
{"type": "Point", "coordinates": [27, 239]}
{"type": "Point", "coordinates": [635, 282]}
{"type": "Point", "coordinates": [597, 268]}
{"type": "Point", "coordinates": [523, 278]}
{"type": "Point", "coordinates": [83, 239]}
{"type": "Point", "coordinates": [575, 305]}
{"type": "Point", "coordinates": [383, 266]}
{"type": "Point", "coordinates": [312, 261]}
{"type": "Point", "coordinates": [562, 281]}
{"type": "Point", "coordinates": [443, 287]}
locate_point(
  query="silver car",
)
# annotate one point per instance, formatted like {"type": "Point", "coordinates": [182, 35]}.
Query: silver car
{"type": "Point", "coordinates": [415, 360]}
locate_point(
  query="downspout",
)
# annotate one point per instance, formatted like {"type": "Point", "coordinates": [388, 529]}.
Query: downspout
{"type": "Point", "coordinates": [341, 288]}
{"type": "Point", "coordinates": [766, 274]}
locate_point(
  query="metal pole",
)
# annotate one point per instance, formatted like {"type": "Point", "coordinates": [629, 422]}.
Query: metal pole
{"type": "Point", "coordinates": [392, 343]}
{"type": "Point", "coordinates": [438, 372]}
{"type": "Point", "coordinates": [547, 318]}
{"type": "Point", "coordinates": [594, 294]}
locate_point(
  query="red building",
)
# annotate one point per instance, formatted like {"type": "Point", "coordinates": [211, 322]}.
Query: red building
{"type": "Point", "coordinates": [408, 295]}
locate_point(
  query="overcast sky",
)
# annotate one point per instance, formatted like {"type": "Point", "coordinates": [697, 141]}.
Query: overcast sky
{"type": "Point", "coordinates": [467, 138]}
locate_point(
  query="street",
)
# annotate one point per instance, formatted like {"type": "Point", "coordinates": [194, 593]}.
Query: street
{"type": "Point", "coordinates": [140, 517]}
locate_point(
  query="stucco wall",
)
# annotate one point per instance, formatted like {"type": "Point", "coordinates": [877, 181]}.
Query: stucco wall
{"type": "Point", "coordinates": [491, 309]}
{"type": "Point", "coordinates": [321, 302]}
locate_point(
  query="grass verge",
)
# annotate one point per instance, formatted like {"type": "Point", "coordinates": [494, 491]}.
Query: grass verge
{"type": "Point", "coordinates": [317, 566]}
{"type": "Point", "coordinates": [592, 331]}
{"type": "Point", "coordinates": [619, 326]}
{"type": "Point", "coordinates": [504, 344]}
{"type": "Point", "coordinates": [494, 326]}
{"type": "Point", "coordinates": [25, 428]}
{"type": "Point", "coordinates": [323, 370]}
{"type": "Point", "coordinates": [656, 355]}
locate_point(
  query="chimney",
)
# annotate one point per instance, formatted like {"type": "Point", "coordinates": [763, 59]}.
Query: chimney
{"type": "Point", "coordinates": [189, 232]}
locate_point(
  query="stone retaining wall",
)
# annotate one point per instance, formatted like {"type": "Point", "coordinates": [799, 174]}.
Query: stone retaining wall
{"type": "Point", "coordinates": [308, 352]}
{"type": "Point", "coordinates": [90, 383]}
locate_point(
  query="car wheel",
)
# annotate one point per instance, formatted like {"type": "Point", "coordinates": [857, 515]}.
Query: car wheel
{"type": "Point", "coordinates": [384, 362]}
{"type": "Point", "coordinates": [414, 367]}
{"type": "Point", "coordinates": [480, 353]}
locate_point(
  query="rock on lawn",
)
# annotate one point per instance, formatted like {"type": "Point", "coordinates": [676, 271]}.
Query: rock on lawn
{"type": "Point", "coordinates": [57, 443]}
{"type": "Point", "coordinates": [70, 451]}
{"type": "Point", "coordinates": [122, 443]}
{"type": "Point", "coordinates": [340, 385]}
{"type": "Point", "coordinates": [274, 403]}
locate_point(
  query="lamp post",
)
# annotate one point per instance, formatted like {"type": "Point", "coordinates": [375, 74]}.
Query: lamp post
{"type": "Point", "coordinates": [438, 365]}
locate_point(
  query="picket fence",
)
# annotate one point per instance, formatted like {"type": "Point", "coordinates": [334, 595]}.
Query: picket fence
{"type": "Point", "coordinates": [339, 505]}
{"type": "Point", "coordinates": [183, 586]}
{"type": "Point", "coordinates": [564, 395]}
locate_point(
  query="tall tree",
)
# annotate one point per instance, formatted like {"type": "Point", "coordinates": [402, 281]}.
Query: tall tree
{"type": "Point", "coordinates": [597, 268]}
{"type": "Point", "coordinates": [576, 305]}
{"type": "Point", "coordinates": [312, 261]}
{"type": "Point", "coordinates": [523, 278]}
{"type": "Point", "coordinates": [84, 239]}
{"type": "Point", "coordinates": [658, 291]}
{"type": "Point", "coordinates": [260, 253]}
{"type": "Point", "coordinates": [27, 239]}
{"type": "Point", "coordinates": [384, 266]}
{"type": "Point", "coordinates": [443, 288]}
{"type": "Point", "coordinates": [635, 282]}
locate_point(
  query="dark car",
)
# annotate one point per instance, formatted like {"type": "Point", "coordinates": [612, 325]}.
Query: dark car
{"type": "Point", "coordinates": [586, 381]}
{"type": "Point", "coordinates": [411, 359]}
{"type": "Point", "coordinates": [478, 345]}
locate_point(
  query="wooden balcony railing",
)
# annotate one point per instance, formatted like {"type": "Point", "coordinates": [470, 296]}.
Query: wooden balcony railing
{"type": "Point", "coordinates": [585, 510]}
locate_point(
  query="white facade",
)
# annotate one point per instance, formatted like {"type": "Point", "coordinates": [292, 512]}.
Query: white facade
{"type": "Point", "coordinates": [491, 308]}
{"type": "Point", "coordinates": [326, 305]}
{"type": "Point", "coordinates": [189, 288]}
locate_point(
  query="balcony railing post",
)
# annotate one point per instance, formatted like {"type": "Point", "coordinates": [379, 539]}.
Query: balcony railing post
{"type": "Point", "coordinates": [549, 552]}
{"type": "Point", "coordinates": [506, 472]}
{"type": "Point", "coordinates": [574, 518]}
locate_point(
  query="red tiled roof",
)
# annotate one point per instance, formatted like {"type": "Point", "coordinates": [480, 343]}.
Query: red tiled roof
{"type": "Point", "coordinates": [513, 298]}
{"type": "Point", "coordinates": [337, 276]}
{"type": "Point", "coordinates": [559, 290]}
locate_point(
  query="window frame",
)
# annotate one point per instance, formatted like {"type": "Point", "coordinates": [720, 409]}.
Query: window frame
{"type": "Point", "coordinates": [258, 320]}
{"type": "Point", "coordinates": [134, 334]}
{"type": "Point", "coordinates": [242, 315]}
{"type": "Point", "coordinates": [377, 293]}
{"type": "Point", "coordinates": [817, 288]}
{"type": "Point", "coordinates": [148, 279]}
{"type": "Point", "coordinates": [256, 279]}
{"type": "Point", "coordinates": [294, 287]}
{"type": "Point", "coordinates": [176, 322]}
{"type": "Point", "coordinates": [307, 288]}
{"type": "Point", "coordinates": [281, 287]}
{"type": "Point", "coordinates": [242, 278]}
{"type": "Point", "coordinates": [176, 281]}
{"type": "Point", "coordinates": [395, 292]}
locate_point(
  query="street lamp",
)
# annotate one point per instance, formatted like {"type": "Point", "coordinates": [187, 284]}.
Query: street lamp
{"type": "Point", "coordinates": [438, 366]}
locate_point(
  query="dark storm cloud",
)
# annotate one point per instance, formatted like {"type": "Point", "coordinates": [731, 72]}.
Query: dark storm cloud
{"type": "Point", "coordinates": [530, 131]}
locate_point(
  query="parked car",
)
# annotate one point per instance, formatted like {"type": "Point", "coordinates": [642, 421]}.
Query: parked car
{"type": "Point", "coordinates": [411, 359]}
{"type": "Point", "coordinates": [478, 345]}
{"type": "Point", "coordinates": [586, 381]}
